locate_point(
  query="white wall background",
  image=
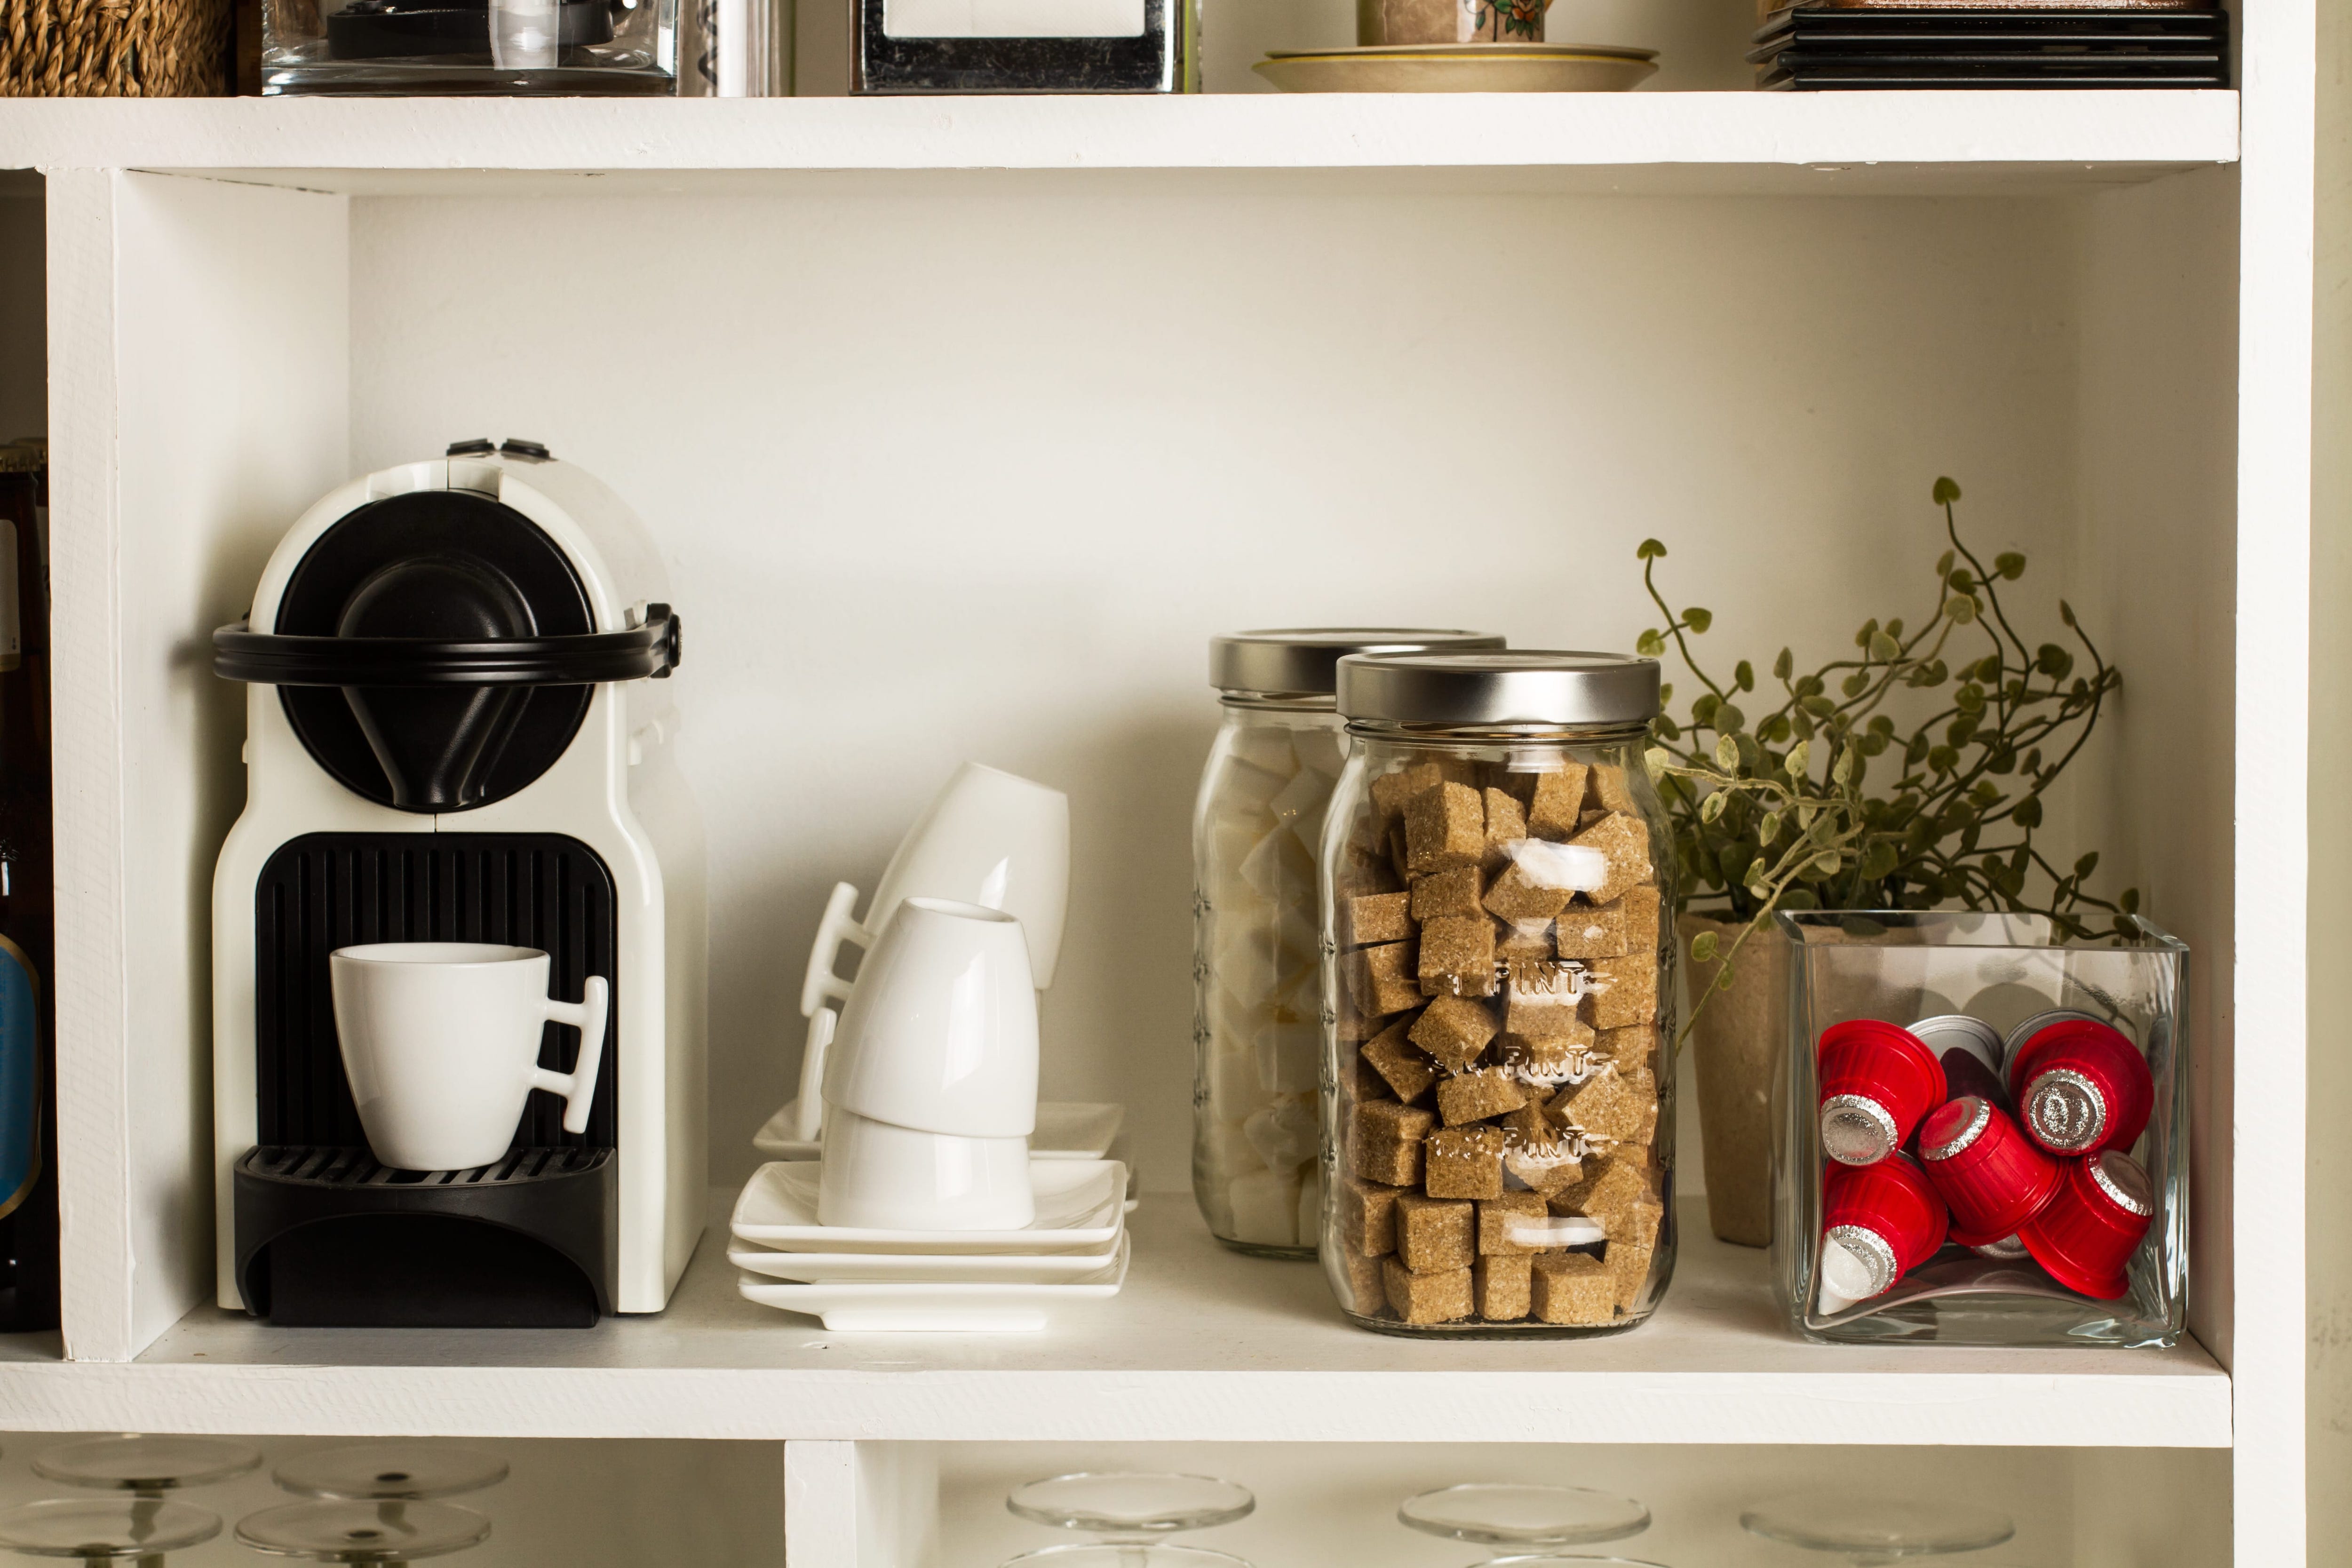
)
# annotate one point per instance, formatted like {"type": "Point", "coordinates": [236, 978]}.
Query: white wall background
{"type": "Point", "coordinates": [976, 475]}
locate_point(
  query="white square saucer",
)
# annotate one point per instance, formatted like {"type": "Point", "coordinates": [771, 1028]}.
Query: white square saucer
{"type": "Point", "coordinates": [933, 1307]}
{"type": "Point", "coordinates": [1079, 1209]}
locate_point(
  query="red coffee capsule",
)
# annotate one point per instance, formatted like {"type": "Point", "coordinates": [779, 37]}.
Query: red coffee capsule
{"type": "Point", "coordinates": [1879, 1222]}
{"type": "Point", "coordinates": [1987, 1172]}
{"type": "Point", "coordinates": [1877, 1081]}
{"type": "Point", "coordinates": [1970, 1051]}
{"type": "Point", "coordinates": [2080, 1086]}
{"type": "Point", "coordinates": [2086, 1237]}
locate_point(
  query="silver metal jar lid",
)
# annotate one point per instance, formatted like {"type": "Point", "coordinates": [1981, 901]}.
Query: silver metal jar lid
{"type": "Point", "coordinates": [1518, 686]}
{"type": "Point", "coordinates": [1305, 658]}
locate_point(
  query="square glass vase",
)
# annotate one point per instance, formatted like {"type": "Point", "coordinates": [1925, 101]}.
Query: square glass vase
{"type": "Point", "coordinates": [2005, 970]}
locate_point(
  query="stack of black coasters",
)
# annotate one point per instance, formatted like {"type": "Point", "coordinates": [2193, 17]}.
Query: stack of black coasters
{"type": "Point", "coordinates": [1815, 47]}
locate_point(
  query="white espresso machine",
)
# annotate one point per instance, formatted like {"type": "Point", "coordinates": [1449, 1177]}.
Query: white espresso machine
{"type": "Point", "coordinates": [459, 728]}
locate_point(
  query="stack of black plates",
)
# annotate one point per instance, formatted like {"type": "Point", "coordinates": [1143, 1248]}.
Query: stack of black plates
{"type": "Point", "coordinates": [1826, 47]}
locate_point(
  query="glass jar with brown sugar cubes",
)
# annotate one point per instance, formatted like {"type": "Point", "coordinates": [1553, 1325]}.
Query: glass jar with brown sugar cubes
{"type": "Point", "coordinates": [1497, 997]}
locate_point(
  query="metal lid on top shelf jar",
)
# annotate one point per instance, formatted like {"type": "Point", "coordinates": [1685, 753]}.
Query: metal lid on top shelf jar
{"type": "Point", "coordinates": [1306, 658]}
{"type": "Point", "coordinates": [1518, 686]}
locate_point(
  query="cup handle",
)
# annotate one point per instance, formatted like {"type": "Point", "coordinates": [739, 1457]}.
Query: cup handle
{"type": "Point", "coordinates": [821, 984]}
{"type": "Point", "coordinates": [808, 1112]}
{"type": "Point", "coordinates": [578, 1086]}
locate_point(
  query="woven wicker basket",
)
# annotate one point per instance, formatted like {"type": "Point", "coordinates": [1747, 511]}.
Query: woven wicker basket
{"type": "Point", "coordinates": [113, 48]}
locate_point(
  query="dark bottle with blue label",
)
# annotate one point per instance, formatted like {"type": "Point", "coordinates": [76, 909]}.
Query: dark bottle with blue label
{"type": "Point", "coordinates": [29, 1179]}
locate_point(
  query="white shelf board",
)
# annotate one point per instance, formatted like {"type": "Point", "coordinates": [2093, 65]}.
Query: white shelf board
{"type": "Point", "coordinates": [1202, 1345]}
{"type": "Point", "coordinates": [1662, 140]}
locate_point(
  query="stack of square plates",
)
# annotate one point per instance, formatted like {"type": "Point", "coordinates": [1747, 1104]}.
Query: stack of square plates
{"type": "Point", "coordinates": [950, 1280]}
{"type": "Point", "coordinates": [1829, 46]}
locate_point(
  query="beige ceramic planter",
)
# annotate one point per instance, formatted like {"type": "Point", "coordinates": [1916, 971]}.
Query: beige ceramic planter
{"type": "Point", "coordinates": [1737, 1040]}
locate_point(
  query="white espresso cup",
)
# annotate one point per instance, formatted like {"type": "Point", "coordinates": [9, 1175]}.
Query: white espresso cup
{"type": "Point", "coordinates": [989, 837]}
{"type": "Point", "coordinates": [941, 1034]}
{"type": "Point", "coordinates": [896, 1178]}
{"type": "Point", "coordinates": [440, 1041]}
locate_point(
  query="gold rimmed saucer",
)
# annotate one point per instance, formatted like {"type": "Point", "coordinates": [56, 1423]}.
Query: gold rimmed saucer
{"type": "Point", "coordinates": [1460, 67]}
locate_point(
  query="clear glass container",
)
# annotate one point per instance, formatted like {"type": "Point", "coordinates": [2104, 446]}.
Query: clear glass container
{"type": "Point", "coordinates": [1498, 998]}
{"type": "Point", "coordinates": [1258, 1028]}
{"type": "Point", "coordinates": [566, 47]}
{"type": "Point", "coordinates": [1931, 972]}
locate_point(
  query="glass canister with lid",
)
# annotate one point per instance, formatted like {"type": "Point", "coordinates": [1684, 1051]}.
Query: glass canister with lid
{"type": "Point", "coordinates": [1257, 991]}
{"type": "Point", "coordinates": [1498, 991]}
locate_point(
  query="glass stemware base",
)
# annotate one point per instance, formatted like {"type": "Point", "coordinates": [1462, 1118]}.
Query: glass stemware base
{"type": "Point", "coordinates": [358, 1532]}
{"type": "Point", "coordinates": [1526, 1517]}
{"type": "Point", "coordinates": [1125, 1554]}
{"type": "Point", "coordinates": [104, 1529]}
{"type": "Point", "coordinates": [380, 1472]}
{"type": "Point", "coordinates": [149, 1466]}
{"type": "Point", "coordinates": [1129, 1505]}
{"type": "Point", "coordinates": [1874, 1531]}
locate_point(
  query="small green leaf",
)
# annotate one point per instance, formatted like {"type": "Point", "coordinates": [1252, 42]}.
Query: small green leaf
{"type": "Point", "coordinates": [1712, 806]}
{"type": "Point", "coordinates": [1841, 771]}
{"type": "Point", "coordinates": [1659, 760]}
{"type": "Point", "coordinates": [1884, 649]}
{"type": "Point", "coordinates": [1986, 794]}
{"type": "Point", "coordinates": [1703, 946]}
{"type": "Point", "coordinates": [1968, 699]}
{"type": "Point", "coordinates": [1869, 630]}
{"type": "Point", "coordinates": [1784, 665]}
{"type": "Point", "coordinates": [1828, 863]}
{"type": "Point", "coordinates": [1729, 717]}
{"type": "Point", "coordinates": [1698, 620]}
{"type": "Point", "coordinates": [2009, 565]}
{"type": "Point", "coordinates": [1727, 754]}
{"type": "Point", "coordinates": [2066, 612]}
{"type": "Point", "coordinates": [1943, 564]}
{"type": "Point", "coordinates": [1895, 627]}
{"type": "Point", "coordinates": [1743, 676]}
{"type": "Point", "coordinates": [1665, 729]}
{"type": "Point", "coordinates": [1855, 685]}
{"type": "Point", "coordinates": [2087, 865]}
{"type": "Point", "coordinates": [1961, 608]}
{"type": "Point", "coordinates": [1650, 645]}
{"type": "Point", "coordinates": [1768, 830]}
{"type": "Point", "coordinates": [2053, 661]}
{"type": "Point", "coordinates": [1756, 870]}
{"type": "Point", "coordinates": [1702, 707]}
{"type": "Point", "coordinates": [1810, 685]}
{"type": "Point", "coordinates": [2128, 902]}
{"type": "Point", "coordinates": [1943, 758]}
{"type": "Point", "coordinates": [1800, 758]}
{"type": "Point", "coordinates": [2027, 813]}
{"type": "Point", "coordinates": [1651, 550]}
{"type": "Point", "coordinates": [1946, 492]}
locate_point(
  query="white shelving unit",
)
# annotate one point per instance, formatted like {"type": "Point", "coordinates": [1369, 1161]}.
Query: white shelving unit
{"type": "Point", "coordinates": [965, 421]}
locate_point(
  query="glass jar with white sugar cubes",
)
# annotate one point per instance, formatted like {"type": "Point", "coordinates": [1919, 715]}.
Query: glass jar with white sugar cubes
{"type": "Point", "coordinates": [1257, 991]}
{"type": "Point", "coordinates": [1497, 1146]}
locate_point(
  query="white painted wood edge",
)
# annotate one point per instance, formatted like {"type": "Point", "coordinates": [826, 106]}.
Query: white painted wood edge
{"type": "Point", "coordinates": [1223, 131]}
{"type": "Point", "coordinates": [2022, 1408]}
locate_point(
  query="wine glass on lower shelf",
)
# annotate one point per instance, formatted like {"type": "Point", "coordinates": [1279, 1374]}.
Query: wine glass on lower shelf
{"type": "Point", "coordinates": [390, 1475]}
{"type": "Point", "coordinates": [1132, 1513]}
{"type": "Point", "coordinates": [101, 1532]}
{"type": "Point", "coordinates": [1531, 1522]}
{"type": "Point", "coordinates": [356, 1533]}
{"type": "Point", "coordinates": [147, 1467]}
{"type": "Point", "coordinates": [1874, 1532]}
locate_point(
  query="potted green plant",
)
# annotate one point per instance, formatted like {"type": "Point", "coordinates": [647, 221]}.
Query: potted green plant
{"type": "Point", "coordinates": [1776, 808]}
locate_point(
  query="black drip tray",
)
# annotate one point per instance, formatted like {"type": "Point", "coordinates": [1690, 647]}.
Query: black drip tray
{"type": "Point", "coordinates": [337, 1167]}
{"type": "Point", "coordinates": [329, 1236]}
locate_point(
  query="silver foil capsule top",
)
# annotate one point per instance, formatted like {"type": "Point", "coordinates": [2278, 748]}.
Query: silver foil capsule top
{"type": "Point", "coordinates": [2065, 1110]}
{"type": "Point", "coordinates": [2119, 1176]}
{"type": "Point", "coordinates": [1856, 1264]}
{"type": "Point", "coordinates": [1857, 1130]}
{"type": "Point", "coordinates": [2007, 1249]}
{"type": "Point", "coordinates": [1969, 1131]}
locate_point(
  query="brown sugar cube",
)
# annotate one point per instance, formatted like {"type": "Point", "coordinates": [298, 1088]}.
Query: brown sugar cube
{"type": "Point", "coordinates": [1443, 828]}
{"type": "Point", "coordinates": [1397, 864]}
{"type": "Point", "coordinates": [1638, 911]}
{"type": "Point", "coordinates": [1537, 881]}
{"type": "Point", "coordinates": [1404, 1068]}
{"type": "Point", "coordinates": [1367, 1217]}
{"type": "Point", "coordinates": [1531, 1125]}
{"type": "Point", "coordinates": [1367, 1292]}
{"type": "Point", "coordinates": [1558, 798]}
{"type": "Point", "coordinates": [1441, 893]}
{"type": "Point", "coordinates": [1464, 1163]}
{"type": "Point", "coordinates": [1612, 1187]}
{"type": "Point", "coordinates": [1384, 1142]}
{"type": "Point", "coordinates": [1526, 941]}
{"type": "Point", "coordinates": [1606, 1105]}
{"type": "Point", "coordinates": [1625, 841]}
{"type": "Point", "coordinates": [1624, 991]}
{"type": "Point", "coordinates": [1392, 791]}
{"type": "Point", "coordinates": [1477, 1095]}
{"type": "Point", "coordinates": [1629, 1266]}
{"type": "Point", "coordinates": [1499, 1287]}
{"type": "Point", "coordinates": [1433, 1235]}
{"type": "Point", "coordinates": [1636, 1225]}
{"type": "Point", "coordinates": [1644, 1090]}
{"type": "Point", "coordinates": [1383, 978]}
{"type": "Point", "coordinates": [1377, 917]}
{"type": "Point", "coordinates": [1360, 1082]}
{"type": "Point", "coordinates": [1506, 823]}
{"type": "Point", "coordinates": [1546, 1169]}
{"type": "Point", "coordinates": [1627, 1049]}
{"type": "Point", "coordinates": [1571, 1288]}
{"type": "Point", "coordinates": [1496, 1217]}
{"type": "Point", "coordinates": [1608, 788]}
{"type": "Point", "coordinates": [1535, 1058]}
{"type": "Point", "coordinates": [1353, 1026]}
{"type": "Point", "coordinates": [1457, 956]}
{"type": "Point", "coordinates": [1542, 1004]}
{"type": "Point", "coordinates": [1454, 1030]}
{"type": "Point", "coordinates": [1595, 930]}
{"type": "Point", "coordinates": [1426, 1297]}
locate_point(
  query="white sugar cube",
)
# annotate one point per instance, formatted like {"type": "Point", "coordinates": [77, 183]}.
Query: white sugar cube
{"type": "Point", "coordinates": [1544, 864]}
{"type": "Point", "coordinates": [1267, 749]}
{"type": "Point", "coordinates": [1233, 1073]}
{"type": "Point", "coordinates": [1286, 1133]}
{"type": "Point", "coordinates": [1282, 869]}
{"type": "Point", "coordinates": [1321, 751]}
{"type": "Point", "coordinates": [1225, 1151]}
{"type": "Point", "coordinates": [1265, 1208]}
